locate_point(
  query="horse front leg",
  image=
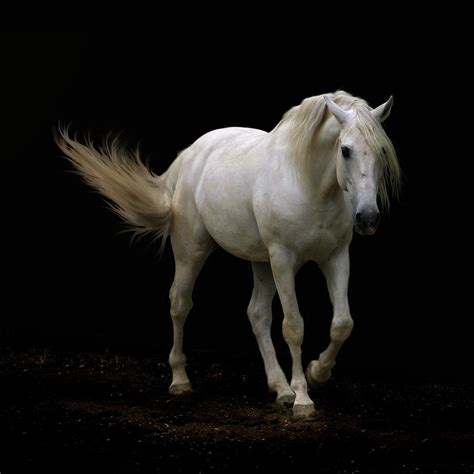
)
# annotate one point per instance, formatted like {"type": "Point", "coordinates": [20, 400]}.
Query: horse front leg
{"type": "Point", "coordinates": [336, 271]}
{"type": "Point", "coordinates": [284, 266]}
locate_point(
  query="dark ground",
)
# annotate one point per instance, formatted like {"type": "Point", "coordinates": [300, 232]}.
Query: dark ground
{"type": "Point", "coordinates": [84, 412]}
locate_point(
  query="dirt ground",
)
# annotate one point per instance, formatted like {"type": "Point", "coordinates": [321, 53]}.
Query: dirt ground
{"type": "Point", "coordinates": [84, 412]}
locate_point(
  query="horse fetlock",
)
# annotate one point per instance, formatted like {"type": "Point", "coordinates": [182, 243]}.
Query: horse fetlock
{"type": "Point", "coordinates": [316, 373]}
{"type": "Point", "coordinates": [278, 385]}
{"type": "Point", "coordinates": [176, 360]}
{"type": "Point", "coordinates": [286, 400]}
{"type": "Point", "coordinates": [300, 387]}
{"type": "Point", "coordinates": [281, 388]}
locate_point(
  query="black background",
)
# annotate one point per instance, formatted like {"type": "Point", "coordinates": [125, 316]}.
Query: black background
{"type": "Point", "coordinates": [73, 281]}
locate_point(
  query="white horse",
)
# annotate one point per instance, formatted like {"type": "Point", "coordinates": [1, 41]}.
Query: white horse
{"type": "Point", "coordinates": [277, 199]}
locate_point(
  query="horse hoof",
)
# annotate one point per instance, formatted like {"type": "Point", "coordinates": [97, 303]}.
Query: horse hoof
{"type": "Point", "coordinates": [304, 411]}
{"type": "Point", "coordinates": [285, 400]}
{"type": "Point", "coordinates": [316, 375]}
{"type": "Point", "coordinates": [180, 388]}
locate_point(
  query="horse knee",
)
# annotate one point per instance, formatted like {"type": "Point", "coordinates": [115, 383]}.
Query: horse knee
{"type": "Point", "coordinates": [293, 330]}
{"type": "Point", "coordinates": [341, 328]}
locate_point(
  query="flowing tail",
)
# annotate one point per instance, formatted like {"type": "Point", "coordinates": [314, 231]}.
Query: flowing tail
{"type": "Point", "coordinates": [135, 193]}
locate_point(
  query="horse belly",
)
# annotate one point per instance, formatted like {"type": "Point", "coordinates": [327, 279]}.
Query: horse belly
{"type": "Point", "coordinates": [224, 204]}
{"type": "Point", "coordinates": [245, 247]}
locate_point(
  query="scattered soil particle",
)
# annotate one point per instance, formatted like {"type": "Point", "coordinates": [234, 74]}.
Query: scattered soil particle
{"type": "Point", "coordinates": [81, 412]}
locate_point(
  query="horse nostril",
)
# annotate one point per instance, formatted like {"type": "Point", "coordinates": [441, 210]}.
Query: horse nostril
{"type": "Point", "coordinates": [377, 218]}
{"type": "Point", "coordinates": [358, 217]}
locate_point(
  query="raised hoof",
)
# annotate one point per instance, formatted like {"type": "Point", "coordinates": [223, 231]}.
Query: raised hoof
{"type": "Point", "coordinates": [304, 411]}
{"type": "Point", "coordinates": [180, 389]}
{"type": "Point", "coordinates": [315, 375]}
{"type": "Point", "coordinates": [285, 400]}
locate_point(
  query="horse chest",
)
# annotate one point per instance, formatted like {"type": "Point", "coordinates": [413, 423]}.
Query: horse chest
{"type": "Point", "coordinates": [321, 243]}
{"type": "Point", "coordinates": [317, 240]}
{"type": "Point", "coordinates": [313, 234]}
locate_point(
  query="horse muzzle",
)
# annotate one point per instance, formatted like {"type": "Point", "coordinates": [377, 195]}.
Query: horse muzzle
{"type": "Point", "coordinates": [367, 221]}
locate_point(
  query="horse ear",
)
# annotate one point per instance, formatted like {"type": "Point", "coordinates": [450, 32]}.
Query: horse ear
{"type": "Point", "coordinates": [342, 115]}
{"type": "Point", "coordinates": [383, 111]}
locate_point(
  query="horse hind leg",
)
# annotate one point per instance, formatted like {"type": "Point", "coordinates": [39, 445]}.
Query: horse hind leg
{"type": "Point", "coordinates": [188, 266]}
{"type": "Point", "coordinates": [260, 315]}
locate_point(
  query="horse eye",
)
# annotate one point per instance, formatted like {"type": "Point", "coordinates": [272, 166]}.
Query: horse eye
{"type": "Point", "coordinates": [346, 151]}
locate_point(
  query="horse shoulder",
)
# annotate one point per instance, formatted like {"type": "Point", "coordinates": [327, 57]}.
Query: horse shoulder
{"type": "Point", "coordinates": [285, 216]}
